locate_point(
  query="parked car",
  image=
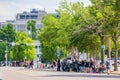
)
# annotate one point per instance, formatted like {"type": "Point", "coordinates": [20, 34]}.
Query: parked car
{"type": "Point", "coordinates": [118, 61]}
{"type": "Point", "coordinates": [66, 64]}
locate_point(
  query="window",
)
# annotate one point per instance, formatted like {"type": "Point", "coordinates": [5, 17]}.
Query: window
{"type": "Point", "coordinates": [27, 17]}
{"type": "Point", "coordinates": [22, 16]}
{"type": "Point", "coordinates": [34, 16]}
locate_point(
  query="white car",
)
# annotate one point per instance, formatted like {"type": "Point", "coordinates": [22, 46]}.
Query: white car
{"type": "Point", "coordinates": [118, 61]}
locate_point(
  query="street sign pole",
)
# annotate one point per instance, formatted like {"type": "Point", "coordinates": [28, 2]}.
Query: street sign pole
{"type": "Point", "coordinates": [6, 57]}
{"type": "Point", "coordinates": [58, 52]}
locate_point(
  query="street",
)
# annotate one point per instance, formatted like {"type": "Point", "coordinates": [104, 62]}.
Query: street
{"type": "Point", "coordinates": [11, 73]}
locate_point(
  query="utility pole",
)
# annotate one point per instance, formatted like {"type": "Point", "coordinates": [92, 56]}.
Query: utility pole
{"type": "Point", "coordinates": [31, 31]}
{"type": "Point", "coordinates": [6, 54]}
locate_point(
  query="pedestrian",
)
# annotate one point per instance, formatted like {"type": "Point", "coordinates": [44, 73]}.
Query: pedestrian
{"type": "Point", "coordinates": [108, 66]}
{"type": "Point", "coordinates": [58, 65]}
{"type": "Point", "coordinates": [91, 65]}
{"type": "Point", "coordinates": [31, 64]}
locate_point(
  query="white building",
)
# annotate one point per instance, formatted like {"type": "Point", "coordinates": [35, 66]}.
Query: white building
{"type": "Point", "coordinates": [20, 24]}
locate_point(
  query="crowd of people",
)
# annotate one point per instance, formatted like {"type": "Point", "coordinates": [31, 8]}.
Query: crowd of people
{"type": "Point", "coordinates": [88, 66]}
{"type": "Point", "coordinates": [26, 64]}
{"type": "Point", "coordinates": [75, 65]}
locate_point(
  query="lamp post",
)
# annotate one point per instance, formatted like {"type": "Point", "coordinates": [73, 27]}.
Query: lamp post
{"type": "Point", "coordinates": [30, 32]}
{"type": "Point", "coordinates": [6, 54]}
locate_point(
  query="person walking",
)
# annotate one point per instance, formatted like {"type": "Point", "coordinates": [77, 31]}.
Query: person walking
{"type": "Point", "coordinates": [31, 64]}
{"type": "Point", "coordinates": [58, 65]}
{"type": "Point", "coordinates": [108, 66]}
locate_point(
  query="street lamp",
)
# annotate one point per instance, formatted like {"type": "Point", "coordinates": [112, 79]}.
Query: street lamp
{"type": "Point", "coordinates": [6, 53]}
{"type": "Point", "coordinates": [30, 32]}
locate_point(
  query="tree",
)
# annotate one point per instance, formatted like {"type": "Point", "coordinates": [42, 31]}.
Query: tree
{"type": "Point", "coordinates": [47, 37]}
{"type": "Point", "coordinates": [31, 26]}
{"type": "Point", "coordinates": [60, 31]}
{"type": "Point", "coordinates": [87, 43]}
{"type": "Point", "coordinates": [98, 22]}
{"type": "Point", "coordinates": [7, 33]}
{"type": "Point", "coordinates": [71, 15]}
{"type": "Point", "coordinates": [2, 51]}
{"type": "Point", "coordinates": [77, 24]}
{"type": "Point", "coordinates": [114, 26]}
{"type": "Point", "coordinates": [22, 49]}
{"type": "Point", "coordinates": [105, 14]}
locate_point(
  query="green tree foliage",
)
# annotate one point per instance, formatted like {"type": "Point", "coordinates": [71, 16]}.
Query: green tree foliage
{"type": "Point", "coordinates": [59, 31]}
{"type": "Point", "coordinates": [109, 17]}
{"type": "Point", "coordinates": [7, 33]}
{"type": "Point", "coordinates": [22, 49]}
{"type": "Point", "coordinates": [47, 38]}
{"type": "Point", "coordinates": [31, 26]}
{"type": "Point", "coordinates": [2, 51]}
{"type": "Point", "coordinates": [86, 28]}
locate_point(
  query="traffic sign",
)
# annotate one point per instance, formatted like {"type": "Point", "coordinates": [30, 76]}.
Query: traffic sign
{"type": "Point", "coordinates": [103, 46]}
{"type": "Point", "coordinates": [83, 56]}
{"type": "Point", "coordinates": [58, 52]}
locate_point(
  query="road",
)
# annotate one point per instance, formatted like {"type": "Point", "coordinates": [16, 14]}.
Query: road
{"type": "Point", "coordinates": [10, 73]}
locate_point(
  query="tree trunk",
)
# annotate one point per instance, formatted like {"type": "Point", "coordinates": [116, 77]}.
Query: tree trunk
{"type": "Point", "coordinates": [95, 55]}
{"type": "Point", "coordinates": [102, 49]}
{"type": "Point", "coordinates": [66, 55]}
{"type": "Point", "coordinates": [109, 48]}
{"type": "Point", "coordinates": [116, 52]}
{"type": "Point", "coordinates": [72, 53]}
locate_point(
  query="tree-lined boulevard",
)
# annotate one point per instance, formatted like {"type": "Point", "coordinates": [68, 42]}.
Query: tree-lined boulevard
{"type": "Point", "coordinates": [79, 38]}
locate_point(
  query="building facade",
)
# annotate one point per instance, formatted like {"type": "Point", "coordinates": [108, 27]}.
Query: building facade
{"type": "Point", "coordinates": [20, 24]}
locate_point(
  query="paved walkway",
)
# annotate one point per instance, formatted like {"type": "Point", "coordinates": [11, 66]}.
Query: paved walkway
{"type": "Point", "coordinates": [0, 76]}
{"type": "Point", "coordinates": [112, 72]}
{"type": "Point", "coordinates": [14, 73]}
{"type": "Point", "coordinates": [116, 72]}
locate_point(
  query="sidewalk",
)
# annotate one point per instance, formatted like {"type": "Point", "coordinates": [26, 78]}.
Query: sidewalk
{"type": "Point", "coordinates": [0, 76]}
{"type": "Point", "coordinates": [115, 72]}
{"type": "Point", "coordinates": [45, 69]}
{"type": "Point", "coordinates": [112, 72]}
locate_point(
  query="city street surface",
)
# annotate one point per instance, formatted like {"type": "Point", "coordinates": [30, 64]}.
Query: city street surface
{"type": "Point", "coordinates": [11, 73]}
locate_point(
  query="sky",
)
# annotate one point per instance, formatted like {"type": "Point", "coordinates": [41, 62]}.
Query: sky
{"type": "Point", "coordinates": [9, 8]}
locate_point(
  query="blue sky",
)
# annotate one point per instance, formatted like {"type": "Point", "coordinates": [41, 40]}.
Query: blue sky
{"type": "Point", "coordinates": [9, 8]}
